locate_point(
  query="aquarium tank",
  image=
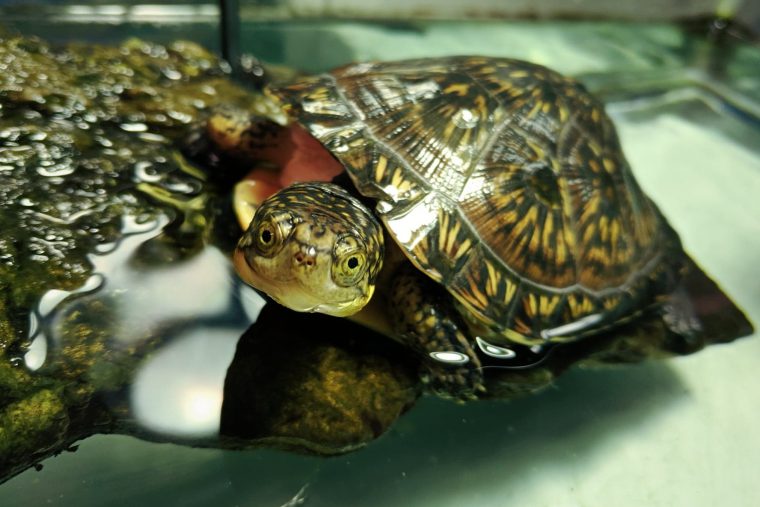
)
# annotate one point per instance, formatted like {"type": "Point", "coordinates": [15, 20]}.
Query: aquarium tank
{"type": "Point", "coordinates": [567, 195]}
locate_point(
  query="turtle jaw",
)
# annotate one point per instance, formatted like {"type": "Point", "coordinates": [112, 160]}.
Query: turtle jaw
{"type": "Point", "coordinates": [295, 292]}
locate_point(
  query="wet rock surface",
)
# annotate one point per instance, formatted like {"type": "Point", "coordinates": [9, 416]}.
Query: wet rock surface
{"type": "Point", "coordinates": [86, 137]}
{"type": "Point", "coordinates": [90, 160]}
{"type": "Point", "coordinates": [87, 159]}
{"type": "Point", "coordinates": [331, 386]}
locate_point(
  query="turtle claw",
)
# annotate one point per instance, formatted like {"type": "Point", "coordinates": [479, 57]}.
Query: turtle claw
{"type": "Point", "coordinates": [460, 385]}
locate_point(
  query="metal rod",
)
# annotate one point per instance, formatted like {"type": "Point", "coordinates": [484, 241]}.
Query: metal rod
{"type": "Point", "coordinates": [229, 11]}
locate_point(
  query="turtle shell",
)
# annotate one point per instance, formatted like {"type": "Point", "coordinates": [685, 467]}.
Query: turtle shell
{"type": "Point", "coordinates": [502, 180]}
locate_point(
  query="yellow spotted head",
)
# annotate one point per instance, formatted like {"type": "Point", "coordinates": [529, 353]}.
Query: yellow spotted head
{"type": "Point", "coordinates": [313, 247]}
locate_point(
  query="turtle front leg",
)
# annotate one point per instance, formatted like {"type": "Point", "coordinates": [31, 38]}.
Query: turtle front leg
{"type": "Point", "coordinates": [424, 317]}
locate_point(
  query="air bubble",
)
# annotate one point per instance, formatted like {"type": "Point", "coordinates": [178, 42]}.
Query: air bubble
{"type": "Point", "coordinates": [144, 171]}
{"type": "Point", "coordinates": [134, 127]}
{"type": "Point", "coordinates": [153, 138]}
{"type": "Point", "coordinates": [185, 188]}
{"type": "Point", "coordinates": [57, 170]}
{"type": "Point", "coordinates": [179, 116]}
{"type": "Point", "coordinates": [172, 74]}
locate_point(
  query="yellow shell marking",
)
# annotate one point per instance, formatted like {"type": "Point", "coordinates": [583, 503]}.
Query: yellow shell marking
{"type": "Point", "coordinates": [536, 108]}
{"type": "Point", "coordinates": [580, 305]}
{"type": "Point", "coordinates": [460, 89]}
{"type": "Point", "coordinates": [547, 304]}
{"type": "Point", "coordinates": [494, 278]}
{"type": "Point", "coordinates": [474, 295]}
{"type": "Point", "coordinates": [563, 114]}
{"type": "Point", "coordinates": [397, 178]}
{"type": "Point", "coordinates": [541, 304]}
{"type": "Point", "coordinates": [548, 231]}
{"type": "Point", "coordinates": [463, 248]}
{"type": "Point", "coordinates": [509, 290]}
{"type": "Point", "coordinates": [380, 167]}
{"type": "Point", "coordinates": [452, 236]}
{"type": "Point", "coordinates": [611, 302]}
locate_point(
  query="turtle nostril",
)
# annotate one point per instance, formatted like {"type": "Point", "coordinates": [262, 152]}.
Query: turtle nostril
{"type": "Point", "coordinates": [302, 258]}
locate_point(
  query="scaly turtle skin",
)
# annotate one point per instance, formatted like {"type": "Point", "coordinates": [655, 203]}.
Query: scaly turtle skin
{"type": "Point", "coordinates": [503, 184]}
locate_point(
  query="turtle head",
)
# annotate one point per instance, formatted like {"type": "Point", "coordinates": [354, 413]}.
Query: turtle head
{"type": "Point", "coordinates": [313, 247]}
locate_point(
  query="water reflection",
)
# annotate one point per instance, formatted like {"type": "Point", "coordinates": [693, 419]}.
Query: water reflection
{"type": "Point", "coordinates": [178, 391]}
{"type": "Point", "coordinates": [195, 289]}
{"type": "Point", "coordinates": [191, 305]}
{"type": "Point", "coordinates": [35, 356]}
{"type": "Point", "coordinates": [185, 316]}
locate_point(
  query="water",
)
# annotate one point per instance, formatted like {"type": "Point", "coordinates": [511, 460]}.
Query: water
{"type": "Point", "coordinates": [676, 432]}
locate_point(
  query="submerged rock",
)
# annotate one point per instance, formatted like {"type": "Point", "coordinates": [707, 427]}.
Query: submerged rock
{"type": "Point", "coordinates": [114, 280]}
{"type": "Point", "coordinates": [326, 395]}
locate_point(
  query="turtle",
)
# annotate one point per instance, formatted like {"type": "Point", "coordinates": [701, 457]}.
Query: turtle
{"type": "Point", "coordinates": [478, 209]}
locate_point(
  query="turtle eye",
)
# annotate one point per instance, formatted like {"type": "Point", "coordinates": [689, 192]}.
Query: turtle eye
{"type": "Point", "coordinates": [350, 269]}
{"type": "Point", "coordinates": [268, 236]}
{"type": "Point", "coordinates": [350, 261]}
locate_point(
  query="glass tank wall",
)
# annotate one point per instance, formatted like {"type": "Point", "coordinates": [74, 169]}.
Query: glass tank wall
{"type": "Point", "coordinates": [681, 81]}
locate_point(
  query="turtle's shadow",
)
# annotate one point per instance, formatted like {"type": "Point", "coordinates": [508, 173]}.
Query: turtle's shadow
{"type": "Point", "coordinates": [441, 448]}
